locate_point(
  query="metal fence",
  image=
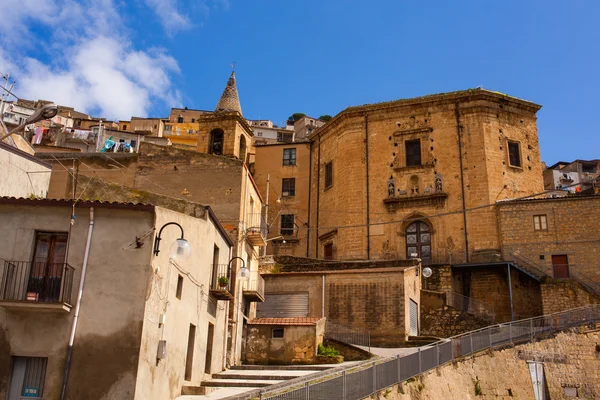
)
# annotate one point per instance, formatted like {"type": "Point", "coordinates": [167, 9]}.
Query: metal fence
{"type": "Point", "coordinates": [361, 381]}
{"type": "Point", "coordinates": [478, 308]}
{"type": "Point", "coordinates": [347, 335]}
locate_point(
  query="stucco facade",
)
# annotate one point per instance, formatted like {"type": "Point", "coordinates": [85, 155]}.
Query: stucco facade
{"type": "Point", "coordinates": [22, 175]}
{"type": "Point", "coordinates": [126, 291]}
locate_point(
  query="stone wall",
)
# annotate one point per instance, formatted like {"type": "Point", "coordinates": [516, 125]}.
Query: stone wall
{"type": "Point", "coordinates": [563, 295]}
{"type": "Point", "coordinates": [569, 360]}
{"type": "Point", "coordinates": [440, 279]}
{"type": "Point", "coordinates": [446, 321]}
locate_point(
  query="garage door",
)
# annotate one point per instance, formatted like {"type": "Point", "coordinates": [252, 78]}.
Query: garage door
{"type": "Point", "coordinates": [284, 305]}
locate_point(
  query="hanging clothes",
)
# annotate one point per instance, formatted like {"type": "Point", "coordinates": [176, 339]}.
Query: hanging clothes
{"type": "Point", "coordinates": [38, 134]}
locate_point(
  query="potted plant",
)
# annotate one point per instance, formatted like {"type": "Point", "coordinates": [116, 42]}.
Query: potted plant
{"type": "Point", "coordinates": [223, 281]}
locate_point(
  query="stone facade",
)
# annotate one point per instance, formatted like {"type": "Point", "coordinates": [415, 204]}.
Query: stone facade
{"type": "Point", "coordinates": [297, 342]}
{"type": "Point", "coordinates": [570, 360]}
{"type": "Point", "coordinates": [367, 147]}
{"type": "Point", "coordinates": [563, 295]}
{"type": "Point", "coordinates": [269, 164]}
{"type": "Point", "coordinates": [447, 321]}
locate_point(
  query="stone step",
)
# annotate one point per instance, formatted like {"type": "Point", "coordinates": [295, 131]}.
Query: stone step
{"type": "Point", "coordinates": [251, 383]}
{"type": "Point", "coordinates": [261, 377]}
{"type": "Point", "coordinates": [281, 367]}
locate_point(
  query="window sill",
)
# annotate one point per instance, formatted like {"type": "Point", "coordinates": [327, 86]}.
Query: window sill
{"type": "Point", "coordinates": [517, 168]}
{"type": "Point", "coordinates": [411, 201]}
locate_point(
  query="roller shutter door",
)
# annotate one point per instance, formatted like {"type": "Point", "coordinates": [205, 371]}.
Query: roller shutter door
{"type": "Point", "coordinates": [286, 305]}
{"type": "Point", "coordinates": [414, 319]}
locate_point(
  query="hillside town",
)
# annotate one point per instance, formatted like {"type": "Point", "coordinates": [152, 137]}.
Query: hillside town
{"type": "Point", "coordinates": [393, 249]}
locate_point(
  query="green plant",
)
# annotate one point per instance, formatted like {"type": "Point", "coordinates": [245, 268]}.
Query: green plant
{"type": "Point", "coordinates": [276, 269]}
{"type": "Point", "coordinates": [223, 281]}
{"type": "Point", "coordinates": [477, 387]}
{"type": "Point", "coordinates": [387, 393]}
{"type": "Point", "coordinates": [328, 351]}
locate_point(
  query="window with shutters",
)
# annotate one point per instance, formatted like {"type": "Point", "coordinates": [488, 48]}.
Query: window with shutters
{"type": "Point", "coordinates": [287, 224]}
{"type": "Point", "coordinates": [413, 152]}
{"type": "Point", "coordinates": [514, 154]}
{"type": "Point", "coordinates": [289, 156]}
{"type": "Point", "coordinates": [288, 187]}
{"type": "Point", "coordinates": [540, 223]}
{"type": "Point", "coordinates": [329, 174]}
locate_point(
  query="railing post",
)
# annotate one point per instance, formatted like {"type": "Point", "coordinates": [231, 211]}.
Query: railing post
{"type": "Point", "coordinates": [437, 353]}
{"type": "Point", "coordinates": [531, 328]}
{"type": "Point", "coordinates": [419, 352]}
{"type": "Point", "coordinates": [399, 372]}
{"type": "Point", "coordinates": [344, 390]}
{"type": "Point", "coordinates": [490, 337]}
{"type": "Point", "coordinates": [374, 378]}
{"type": "Point", "coordinates": [471, 340]}
{"type": "Point", "coordinates": [510, 332]}
{"type": "Point", "coordinates": [306, 387]}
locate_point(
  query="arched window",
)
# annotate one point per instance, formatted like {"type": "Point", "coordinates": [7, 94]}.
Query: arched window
{"type": "Point", "coordinates": [242, 154]}
{"type": "Point", "coordinates": [215, 145]}
{"type": "Point", "coordinates": [418, 241]}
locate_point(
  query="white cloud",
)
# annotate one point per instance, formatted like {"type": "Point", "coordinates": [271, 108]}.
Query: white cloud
{"type": "Point", "coordinates": [171, 20]}
{"type": "Point", "coordinates": [95, 68]}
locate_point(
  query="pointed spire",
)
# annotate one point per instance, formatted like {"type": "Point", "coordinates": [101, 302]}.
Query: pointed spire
{"type": "Point", "coordinates": [230, 100]}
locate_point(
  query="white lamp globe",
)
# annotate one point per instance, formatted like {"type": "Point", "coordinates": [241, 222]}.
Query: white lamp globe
{"type": "Point", "coordinates": [180, 250]}
{"type": "Point", "coordinates": [427, 272]}
{"type": "Point", "coordinates": [244, 272]}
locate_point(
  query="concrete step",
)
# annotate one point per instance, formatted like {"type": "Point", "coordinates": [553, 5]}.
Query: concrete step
{"type": "Point", "coordinates": [282, 367]}
{"type": "Point", "coordinates": [247, 383]}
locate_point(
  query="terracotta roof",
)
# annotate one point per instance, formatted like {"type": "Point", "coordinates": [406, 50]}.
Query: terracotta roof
{"type": "Point", "coordinates": [230, 100]}
{"type": "Point", "coordinates": [69, 202]}
{"type": "Point", "coordinates": [300, 321]}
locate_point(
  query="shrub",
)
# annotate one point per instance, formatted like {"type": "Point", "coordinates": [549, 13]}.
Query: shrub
{"type": "Point", "coordinates": [328, 351]}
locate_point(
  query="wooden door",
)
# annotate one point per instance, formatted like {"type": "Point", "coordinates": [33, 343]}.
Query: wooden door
{"type": "Point", "coordinates": [48, 265]}
{"type": "Point", "coordinates": [560, 266]}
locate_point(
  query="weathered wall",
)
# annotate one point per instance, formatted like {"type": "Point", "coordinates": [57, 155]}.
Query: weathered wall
{"type": "Point", "coordinates": [374, 300]}
{"type": "Point", "coordinates": [106, 349]}
{"type": "Point", "coordinates": [269, 162]}
{"type": "Point", "coordinates": [22, 174]}
{"type": "Point", "coordinates": [572, 230]}
{"type": "Point", "coordinates": [445, 321]}
{"type": "Point", "coordinates": [563, 295]}
{"type": "Point", "coordinates": [164, 379]}
{"type": "Point", "coordinates": [569, 359]}
{"type": "Point", "coordinates": [486, 121]}
{"type": "Point", "coordinates": [299, 344]}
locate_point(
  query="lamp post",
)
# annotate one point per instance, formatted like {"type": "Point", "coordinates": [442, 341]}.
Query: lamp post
{"type": "Point", "coordinates": [180, 249]}
{"type": "Point", "coordinates": [46, 112]}
{"type": "Point", "coordinates": [244, 271]}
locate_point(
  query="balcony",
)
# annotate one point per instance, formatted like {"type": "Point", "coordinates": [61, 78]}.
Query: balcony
{"type": "Point", "coordinates": [36, 286]}
{"type": "Point", "coordinates": [221, 285]}
{"type": "Point", "coordinates": [254, 287]}
{"type": "Point", "coordinates": [256, 233]}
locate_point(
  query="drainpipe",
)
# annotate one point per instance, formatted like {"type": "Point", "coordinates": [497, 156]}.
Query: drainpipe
{"type": "Point", "coordinates": [462, 180]}
{"type": "Point", "coordinates": [318, 192]}
{"type": "Point", "coordinates": [78, 304]}
{"type": "Point", "coordinates": [309, 198]}
{"type": "Point", "coordinates": [323, 298]}
{"type": "Point", "coordinates": [267, 209]}
{"type": "Point", "coordinates": [368, 205]}
{"type": "Point", "coordinates": [512, 310]}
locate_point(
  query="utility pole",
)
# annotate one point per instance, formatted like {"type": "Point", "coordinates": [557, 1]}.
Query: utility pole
{"type": "Point", "coordinates": [4, 94]}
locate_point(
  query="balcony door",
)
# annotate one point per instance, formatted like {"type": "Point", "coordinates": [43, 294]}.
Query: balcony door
{"type": "Point", "coordinates": [418, 241]}
{"type": "Point", "coordinates": [47, 266]}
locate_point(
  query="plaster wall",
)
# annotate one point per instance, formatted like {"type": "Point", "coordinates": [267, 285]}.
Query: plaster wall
{"type": "Point", "coordinates": [22, 175]}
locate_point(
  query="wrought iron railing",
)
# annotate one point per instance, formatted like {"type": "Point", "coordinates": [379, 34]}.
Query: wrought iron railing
{"type": "Point", "coordinates": [363, 380]}
{"type": "Point", "coordinates": [221, 277]}
{"type": "Point", "coordinates": [36, 282]}
{"type": "Point", "coordinates": [255, 283]}
{"type": "Point", "coordinates": [463, 303]}
{"type": "Point", "coordinates": [347, 335]}
{"type": "Point", "coordinates": [257, 224]}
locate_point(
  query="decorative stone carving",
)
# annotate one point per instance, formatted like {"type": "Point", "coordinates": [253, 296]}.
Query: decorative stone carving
{"type": "Point", "coordinates": [402, 192]}
{"type": "Point", "coordinates": [438, 183]}
{"type": "Point", "coordinates": [428, 189]}
{"type": "Point", "coordinates": [391, 183]}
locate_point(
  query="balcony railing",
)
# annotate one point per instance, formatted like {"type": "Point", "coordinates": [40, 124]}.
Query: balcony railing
{"type": "Point", "coordinates": [254, 287]}
{"type": "Point", "coordinates": [257, 230]}
{"type": "Point", "coordinates": [36, 283]}
{"type": "Point", "coordinates": [221, 285]}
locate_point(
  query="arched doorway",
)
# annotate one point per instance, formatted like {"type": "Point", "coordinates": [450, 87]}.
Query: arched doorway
{"type": "Point", "coordinates": [418, 241]}
{"type": "Point", "coordinates": [242, 154]}
{"type": "Point", "coordinates": [215, 146]}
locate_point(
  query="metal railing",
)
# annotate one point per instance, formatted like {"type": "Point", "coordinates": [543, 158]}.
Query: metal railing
{"type": "Point", "coordinates": [255, 283]}
{"type": "Point", "coordinates": [257, 224]}
{"type": "Point", "coordinates": [221, 277]}
{"type": "Point", "coordinates": [36, 282]}
{"type": "Point", "coordinates": [463, 303]}
{"type": "Point", "coordinates": [358, 382]}
{"type": "Point", "coordinates": [347, 335]}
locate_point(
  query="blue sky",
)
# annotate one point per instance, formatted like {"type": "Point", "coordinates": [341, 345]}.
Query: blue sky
{"type": "Point", "coordinates": [119, 58]}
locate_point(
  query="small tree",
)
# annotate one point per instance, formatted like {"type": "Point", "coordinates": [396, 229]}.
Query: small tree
{"type": "Point", "coordinates": [295, 117]}
{"type": "Point", "coordinates": [325, 117]}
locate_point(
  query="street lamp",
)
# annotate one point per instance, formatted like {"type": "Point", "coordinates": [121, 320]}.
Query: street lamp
{"type": "Point", "coordinates": [244, 271]}
{"type": "Point", "coordinates": [46, 112]}
{"type": "Point", "coordinates": [180, 249]}
{"type": "Point", "coordinates": [427, 272]}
